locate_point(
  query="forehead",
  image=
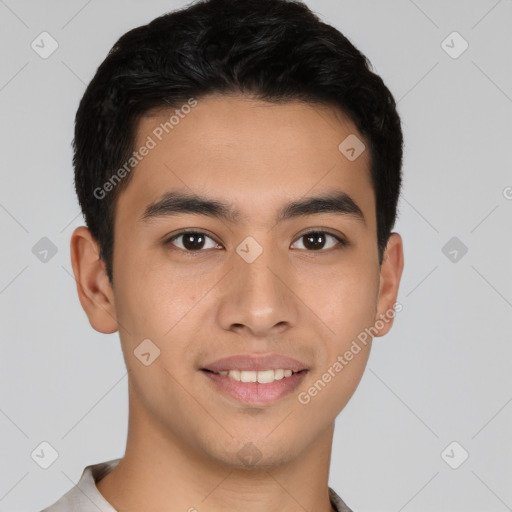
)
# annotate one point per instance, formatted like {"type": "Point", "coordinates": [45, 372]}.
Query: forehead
{"type": "Point", "coordinates": [248, 151]}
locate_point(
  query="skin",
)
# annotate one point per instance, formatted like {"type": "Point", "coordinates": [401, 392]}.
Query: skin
{"type": "Point", "coordinates": [184, 435]}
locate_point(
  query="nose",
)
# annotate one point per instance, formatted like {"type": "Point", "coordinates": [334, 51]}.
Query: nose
{"type": "Point", "coordinates": [258, 297]}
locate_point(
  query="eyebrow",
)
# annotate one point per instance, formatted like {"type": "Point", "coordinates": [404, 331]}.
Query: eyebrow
{"type": "Point", "coordinates": [176, 203]}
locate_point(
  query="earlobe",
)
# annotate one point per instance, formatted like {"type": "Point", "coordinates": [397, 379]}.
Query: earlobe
{"type": "Point", "coordinates": [390, 275]}
{"type": "Point", "coordinates": [93, 287]}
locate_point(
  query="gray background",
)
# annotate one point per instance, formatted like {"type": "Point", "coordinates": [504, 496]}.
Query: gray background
{"type": "Point", "coordinates": [443, 372]}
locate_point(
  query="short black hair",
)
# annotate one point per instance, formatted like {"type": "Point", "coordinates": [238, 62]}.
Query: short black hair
{"type": "Point", "coordinates": [274, 50]}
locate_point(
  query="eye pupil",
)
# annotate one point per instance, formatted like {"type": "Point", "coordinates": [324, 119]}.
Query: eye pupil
{"type": "Point", "coordinates": [311, 243]}
{"type": "Point", "coordinates": [188, 241]}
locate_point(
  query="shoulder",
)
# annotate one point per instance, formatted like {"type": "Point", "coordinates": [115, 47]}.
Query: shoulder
{"type": "Point", "coordinates": [84, 496]}
{"type": "Point", "coordinates": [338, 504]}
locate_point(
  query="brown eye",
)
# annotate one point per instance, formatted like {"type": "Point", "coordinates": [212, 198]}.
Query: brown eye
{"type": "Point", "coordinates": [317, 241]}
{"type": "Point", "coordinates": [192, 241]}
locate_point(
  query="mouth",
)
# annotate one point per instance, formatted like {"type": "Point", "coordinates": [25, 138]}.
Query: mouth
{"type": "Point", "coordinates": [255, 378]}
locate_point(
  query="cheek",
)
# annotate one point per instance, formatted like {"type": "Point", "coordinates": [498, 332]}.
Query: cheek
{"type": "Point", "coordinates": [151, 301]}
{"type": "Point", "coordinates": [156, 314]}
{"type": "Point", "coordinates": [345, 300]}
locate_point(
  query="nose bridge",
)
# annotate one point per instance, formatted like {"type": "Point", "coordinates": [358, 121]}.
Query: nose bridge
{"type": "Point", "coordinates": [257, 280]}
{"type": "Point", "coordinates": [258, 296]}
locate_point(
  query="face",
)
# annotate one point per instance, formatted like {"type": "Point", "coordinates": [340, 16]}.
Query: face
{"type": "Point", "coordinates": [253, 279]}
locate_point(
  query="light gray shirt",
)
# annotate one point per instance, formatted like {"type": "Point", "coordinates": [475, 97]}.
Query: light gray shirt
{"type": "Point", "coordinates": [85, 497]}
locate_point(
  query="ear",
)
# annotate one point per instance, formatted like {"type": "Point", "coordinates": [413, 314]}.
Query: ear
{"type": "Point", "coordinates": [390, 275]}
{"type": "Point", "coordinates": [93, 287]}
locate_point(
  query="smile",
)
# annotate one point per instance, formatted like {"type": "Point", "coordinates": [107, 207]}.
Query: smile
{"type": "Point", "coordinates": [261, 376]}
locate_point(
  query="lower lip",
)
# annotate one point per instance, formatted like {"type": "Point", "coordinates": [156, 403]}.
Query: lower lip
{"type": "Point", "coordinates": [255, 392]}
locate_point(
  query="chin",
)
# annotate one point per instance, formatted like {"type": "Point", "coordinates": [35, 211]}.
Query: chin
{"type": "Point", "coordinates": [256, 454]}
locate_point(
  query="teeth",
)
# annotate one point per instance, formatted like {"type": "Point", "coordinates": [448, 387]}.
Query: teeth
{"type": "Point", "coordinates": [262, 376]}
{"type": "Point", "coordinates": [278, 374]}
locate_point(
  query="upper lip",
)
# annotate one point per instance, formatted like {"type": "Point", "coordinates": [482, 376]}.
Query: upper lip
{"type": "Point", "coordinates": [255, 362]}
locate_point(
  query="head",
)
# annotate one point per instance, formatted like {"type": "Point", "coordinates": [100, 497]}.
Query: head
{"type": "Point", "coordinates": [243, 109]}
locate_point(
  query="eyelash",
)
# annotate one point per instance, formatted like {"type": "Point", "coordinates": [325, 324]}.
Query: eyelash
{"type": "Point", "coordinates": [341, 241]}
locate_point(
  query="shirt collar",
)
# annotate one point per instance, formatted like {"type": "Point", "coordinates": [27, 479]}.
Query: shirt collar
{"type": "Point", "coordinates": [85, 497]}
